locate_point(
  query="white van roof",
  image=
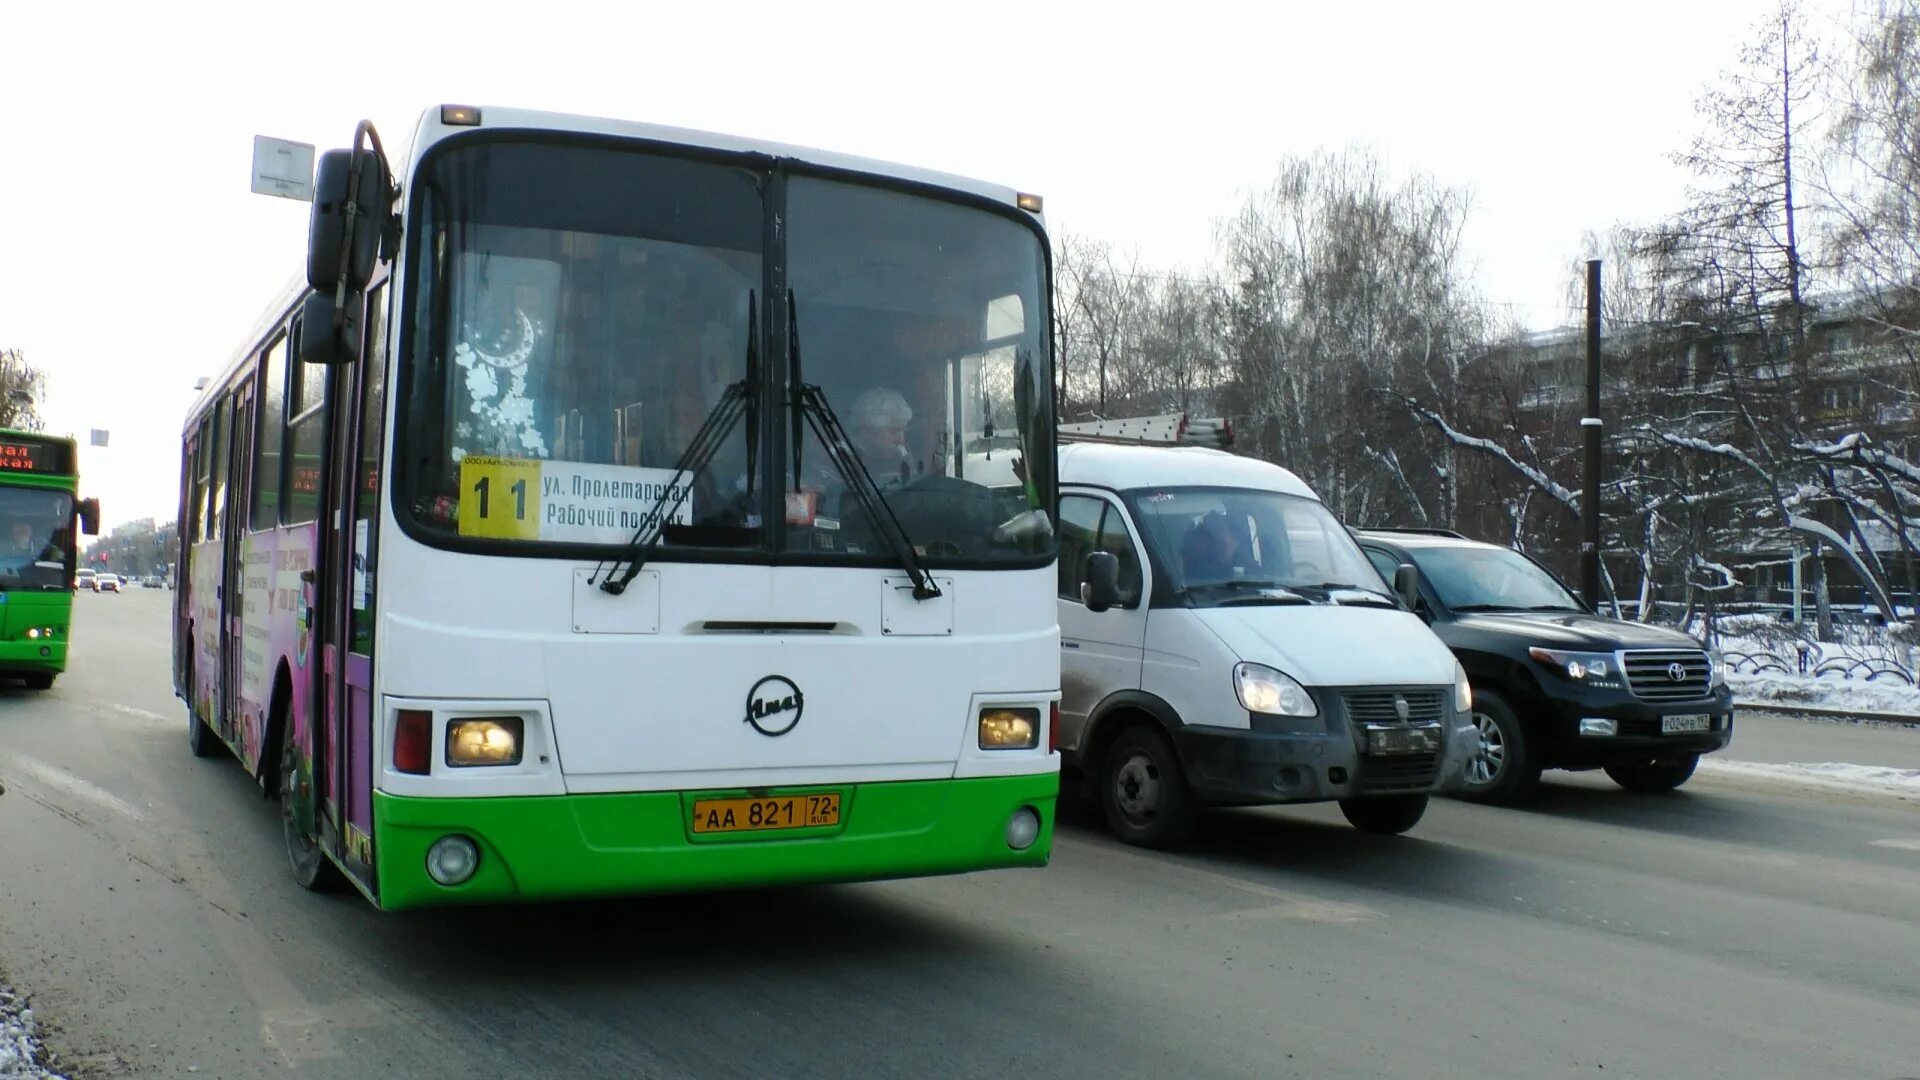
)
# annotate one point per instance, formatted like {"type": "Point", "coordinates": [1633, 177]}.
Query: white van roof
{"type": "Point", "coordinates": [1124, 467]}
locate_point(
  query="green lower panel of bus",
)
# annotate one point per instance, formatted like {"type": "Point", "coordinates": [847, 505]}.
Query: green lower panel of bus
{"type": "Point", "coordinates": [26, 655]}
{"type": "Point", "coordinates": [554, 847]}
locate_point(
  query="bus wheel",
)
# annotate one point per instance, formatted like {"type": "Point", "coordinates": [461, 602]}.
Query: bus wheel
{"type": "Point", "coordinates": [40, 680]}
{"type": "Point", "coordinates": [200, 738]}
{"type": "Point", "coordinates": [311, 867]}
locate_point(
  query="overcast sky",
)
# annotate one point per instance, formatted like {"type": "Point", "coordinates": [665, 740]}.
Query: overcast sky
{"type": "Point", "coordinates": [133, 257]}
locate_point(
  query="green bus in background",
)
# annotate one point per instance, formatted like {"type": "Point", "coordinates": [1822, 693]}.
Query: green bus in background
{"type": "Point", "coordinates": [39, 479]}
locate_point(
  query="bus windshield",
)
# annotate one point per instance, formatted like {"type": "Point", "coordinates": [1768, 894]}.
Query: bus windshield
{"type": "Point", "coordinates": [36, 545]}
{"type": "Point", "coordinates": [581, 310]}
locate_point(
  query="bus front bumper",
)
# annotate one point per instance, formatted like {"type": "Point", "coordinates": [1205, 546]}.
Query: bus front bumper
{"type": "Point", "coordinates": [575, 846]}
{"type": "Point", "coordinates": [25, 656]}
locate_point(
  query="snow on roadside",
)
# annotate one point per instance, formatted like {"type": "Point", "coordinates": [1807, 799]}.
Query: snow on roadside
{"type": "Point", "coordinates": [20, 1048]}
{"type": "Point", "coordinates": [1827, 775]}
{"type": "Point", "coordinates": [1771, 688]}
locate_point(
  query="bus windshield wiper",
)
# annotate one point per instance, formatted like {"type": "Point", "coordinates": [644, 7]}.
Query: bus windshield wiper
{"type": "Point", "coordinates": [740, 399]}
{"type": "Point", "coordinates": [810, 402]}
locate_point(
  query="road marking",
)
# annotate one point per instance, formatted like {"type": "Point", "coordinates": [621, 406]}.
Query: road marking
{"type": "Point", "coordinates": [1904, 843]}
{"type": "Point", "coordinates": [143, 714]}
{"type": "Point", "coordinates": [60, 779]}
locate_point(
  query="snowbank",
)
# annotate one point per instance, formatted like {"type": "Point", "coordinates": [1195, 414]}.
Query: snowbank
{"type": "Point", "coordinates": [1830, 775]}
{"type": "Point", "coordinates": [1884, 695]}
{"type": "Point", "coordinates": [19, 1047]}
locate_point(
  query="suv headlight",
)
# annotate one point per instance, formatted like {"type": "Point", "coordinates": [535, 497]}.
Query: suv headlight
{"type": "Point", "coordinates": [1592, 668]}
{"type": "Point", "coordinates": [1263, 689]}
{"type": "Point", "coordinates": [1462, 691]}
{"type": "Point", "coordinates": [1717, 665]}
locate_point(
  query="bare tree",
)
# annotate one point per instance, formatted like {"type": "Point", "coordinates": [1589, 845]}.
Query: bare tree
{"type": "Point", "coordinates": [21, 388]}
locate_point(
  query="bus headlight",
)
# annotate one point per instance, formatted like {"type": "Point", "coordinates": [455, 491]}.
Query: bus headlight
{"type": "Point", "coordinates": [484, 740]}
{"type": "Point", "coordinates": [1009, 729]}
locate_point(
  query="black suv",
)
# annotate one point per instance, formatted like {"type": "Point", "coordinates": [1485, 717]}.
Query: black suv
{"type": "Point", "coordinates": [1554, 685]}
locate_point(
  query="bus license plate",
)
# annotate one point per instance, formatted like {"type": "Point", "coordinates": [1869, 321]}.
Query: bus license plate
{"type": "Point", "coordinates": [1670, 725]}
{"type": "Point", "coordinates": [758, 815]}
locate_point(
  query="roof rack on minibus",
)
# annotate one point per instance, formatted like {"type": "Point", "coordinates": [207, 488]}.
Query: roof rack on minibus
{"type": "Point", "coordinates": [1417, 530]}
{"type": "Point", "coordinates": [1172, 429]}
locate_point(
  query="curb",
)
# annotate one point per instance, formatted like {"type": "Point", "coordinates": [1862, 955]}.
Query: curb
{"type": "Point", "coordinates": [1828, 712]}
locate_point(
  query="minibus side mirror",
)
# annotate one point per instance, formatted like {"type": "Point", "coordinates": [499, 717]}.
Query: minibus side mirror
{"type": "Point", "coordinates": [1101, 589]}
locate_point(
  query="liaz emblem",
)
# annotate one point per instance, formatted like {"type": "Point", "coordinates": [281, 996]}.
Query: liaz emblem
{"type": "Point", "coordinates": [774, 705]}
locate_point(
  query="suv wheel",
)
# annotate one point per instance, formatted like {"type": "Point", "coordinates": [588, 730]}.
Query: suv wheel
{"type": "Point", "coordinates": [1143, 792]}
{"type": "Point", "coordinates": [1654, 776]}
{"type": "Point", "coordinates": [1503, 769]}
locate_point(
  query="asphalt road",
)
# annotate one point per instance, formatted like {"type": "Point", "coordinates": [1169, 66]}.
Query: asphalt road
{"type": "Point", "coordinates": [1738, 928]}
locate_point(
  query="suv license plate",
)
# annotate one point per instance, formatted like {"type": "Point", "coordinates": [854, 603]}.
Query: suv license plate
{"type": "Point", "coordinates": [1670, 725]}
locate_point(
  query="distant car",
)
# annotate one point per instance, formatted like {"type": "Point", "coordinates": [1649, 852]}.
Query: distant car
{"type": "Point", "coordinates": [153, 581]}
{"type": "Point", "coordinates": [83, 579]}
{"type": "Point", "coordinates": [106, 583]}
{"type": "Point", "coordinates": [1556, 685]}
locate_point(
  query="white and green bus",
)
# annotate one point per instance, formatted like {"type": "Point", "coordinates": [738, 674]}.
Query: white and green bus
{"type": "Point", "coordinates": [615, 508]}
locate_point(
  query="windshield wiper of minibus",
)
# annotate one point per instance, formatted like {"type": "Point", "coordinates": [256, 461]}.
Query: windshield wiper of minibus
{"type": "Point", "coordinates": [740, 399]}
{"type": "Point", "coordinates": [1347, 594]}
{"type": "Point", "coordinates": [810, 402]}
{"type": "Point", "coordinates": [1266, 592]}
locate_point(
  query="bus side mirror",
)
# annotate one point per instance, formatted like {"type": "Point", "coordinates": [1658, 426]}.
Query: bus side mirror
{"type": "Point", "coordinates": [344, 231]}
{"type": "Point", "coordinates": [1101, 589]}
{"type": "Point", "coordinates": [1406, 585]}
{"type": "Point", "coordinates": [89, 517]}
{"type": "Point", "coordinates": [321, 341]}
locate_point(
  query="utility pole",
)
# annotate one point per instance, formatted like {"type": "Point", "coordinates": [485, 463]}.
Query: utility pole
{"type": "Point", "coordinates": [1590, 430]}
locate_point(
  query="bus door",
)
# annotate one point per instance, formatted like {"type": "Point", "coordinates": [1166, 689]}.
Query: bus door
{"type": "Point", "coordinates": [233, 533]}
{"type": "Point", "coordinates": [349, 515]}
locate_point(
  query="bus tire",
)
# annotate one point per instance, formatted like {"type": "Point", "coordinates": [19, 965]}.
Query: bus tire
{"type": "Point", "coordinates": [40, 680]}
{"type": "Point", "coordinates": [201, 740]}
{"type": "Point", "coordinates": [311, 867]}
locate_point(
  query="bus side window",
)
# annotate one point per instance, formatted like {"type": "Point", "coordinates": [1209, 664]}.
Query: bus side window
{"type": "Point", "coordinates": [265, 511]}
{"type": "Point", "coordinates": [306, 442]}
{"type": "Point", "coordinates": [217, 468]}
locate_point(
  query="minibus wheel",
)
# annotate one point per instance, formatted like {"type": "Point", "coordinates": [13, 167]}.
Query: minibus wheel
{"type": "Point", "coordinates": [1143, 791]}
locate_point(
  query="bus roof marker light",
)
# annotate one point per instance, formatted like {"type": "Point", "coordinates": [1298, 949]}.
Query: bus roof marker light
{"type": "Point", "coordinates": [1029, 203]}
{"type": "Point", "coordinates": [459, 116]}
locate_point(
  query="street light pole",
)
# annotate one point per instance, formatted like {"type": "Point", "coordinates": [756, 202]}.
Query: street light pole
{"type": "Point", "coordinates": [1590, 430]}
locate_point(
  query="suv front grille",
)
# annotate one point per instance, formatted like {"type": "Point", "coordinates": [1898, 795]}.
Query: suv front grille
{"type": "Point", "coordinates": [1424, 706]}
{"type": "Point", "coordinates": [1651, 674]}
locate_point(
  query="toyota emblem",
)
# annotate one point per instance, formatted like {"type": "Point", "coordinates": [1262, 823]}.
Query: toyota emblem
{"type": "Point", "coordinates": [1677, 671]}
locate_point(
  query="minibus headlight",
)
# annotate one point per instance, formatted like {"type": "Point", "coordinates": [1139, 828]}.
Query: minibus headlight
{"type": "Point", "coordinates": [1262, 689]}
{"type": "Point", "coordinates": [1462, 690]}
{"type": "Point", "coordinates": [484, 740]}
{"type": "Point", "coordinates": [1009, 729]}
